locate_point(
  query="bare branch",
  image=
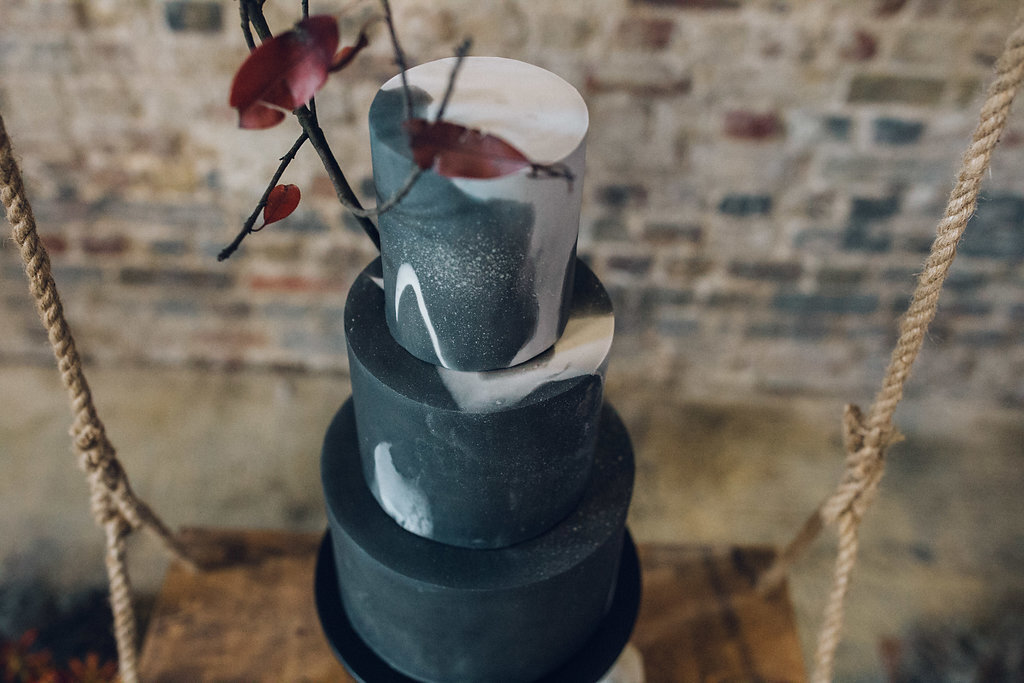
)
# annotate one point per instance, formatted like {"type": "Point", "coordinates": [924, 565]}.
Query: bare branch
{"type": "Point", "coordinates": [393, 200]}
{"type": "Point", "coordinates": [254, 12]}
{"type": "Point", "coordinates": [342, 189]}
{"type": "Point", "coordinates": [460, 54]}
{"type": "Point", "coordinates": [311, 129]}
{"type": "Point", "coordinates": [399, 57]}
{"type": "Point", "coordinates": [243, 11]}
{"type": "Point", "coordinates": [247, 227]}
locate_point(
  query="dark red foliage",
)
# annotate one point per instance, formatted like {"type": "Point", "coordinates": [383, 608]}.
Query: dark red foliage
{"type": "Point", "coordinates": [455, 151]}
{"type": "Point", "coordinates": [281, 201]}
{"type": "Point", "coordinates": [284, 72]}
{"type": "Point", "coordinates": [21, 661]}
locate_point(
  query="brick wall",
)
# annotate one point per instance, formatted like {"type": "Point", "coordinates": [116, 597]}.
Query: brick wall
{"type": "Point", "coordinates": [764, 177]}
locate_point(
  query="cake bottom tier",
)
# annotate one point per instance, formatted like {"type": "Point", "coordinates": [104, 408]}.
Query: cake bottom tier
{"type": "Point", "coordinates": [436, 612]}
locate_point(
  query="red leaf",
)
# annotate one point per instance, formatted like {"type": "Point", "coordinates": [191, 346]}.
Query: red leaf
{"type": "Point", "coordinates": [455, 151]}
{"type": "Point", "coordinates": [284, 72]}
{"type": "Point", "coordinates": [348, 53]}
{"type": "Point", "coordinates": [281, 201]}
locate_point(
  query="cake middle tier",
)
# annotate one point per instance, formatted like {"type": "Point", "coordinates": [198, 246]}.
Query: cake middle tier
{"type": "Point", "coordinates": [478, 459]}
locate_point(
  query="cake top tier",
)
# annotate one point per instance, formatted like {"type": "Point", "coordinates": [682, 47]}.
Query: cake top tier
{"type": "Point", "coordinates": [478, 271]}
{"type": "Point", "coordinates": [531, 108]}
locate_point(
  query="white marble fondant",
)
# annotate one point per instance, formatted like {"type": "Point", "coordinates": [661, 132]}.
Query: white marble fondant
{"type": "Point", "coordinates": [398, 496]}
{"type": "Point", "coordinates": [531, 108]}
{"type": "Point", "coordinates": [556, 211]}
{"type": "Point", "coordinates": [406, 278]}
{"type": "Point", "coordinates": [582, 350]}
{"type": "Point", "coordinates": [628, 668]}
{"type": "Point", "coordinates": [545, 118]}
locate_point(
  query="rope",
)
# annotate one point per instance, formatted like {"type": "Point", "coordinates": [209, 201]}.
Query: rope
{"type": "Point", "coordinates": [866, 438]}
{"type": "Point", "coordinates": [114, 506]}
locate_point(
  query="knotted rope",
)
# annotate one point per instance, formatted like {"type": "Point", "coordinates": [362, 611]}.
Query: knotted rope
{"type": "Point", "coordinates": [866, 438]}
{"type": "Point", "coordinates": [114, 506]}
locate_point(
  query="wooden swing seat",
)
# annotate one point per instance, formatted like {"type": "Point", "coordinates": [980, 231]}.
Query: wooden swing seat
{"type": "Point", "coordinates": [252, 616]}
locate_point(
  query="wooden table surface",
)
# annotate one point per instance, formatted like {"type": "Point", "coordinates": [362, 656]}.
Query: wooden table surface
{"type": "Point", "coordinates": [251, 615]}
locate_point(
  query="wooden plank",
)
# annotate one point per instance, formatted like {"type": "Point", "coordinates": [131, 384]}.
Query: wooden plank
{"type": "Point", "coordinates": [701, 619]}
{"type": "Point", "coordinates": [252, 617]}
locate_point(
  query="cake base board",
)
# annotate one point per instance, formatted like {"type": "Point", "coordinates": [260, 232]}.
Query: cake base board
{"type": "Point", "coordinates": [588, 665]}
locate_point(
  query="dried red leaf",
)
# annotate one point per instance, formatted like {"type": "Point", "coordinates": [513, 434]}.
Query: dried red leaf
{"type": "Point", "coordinates": [281, 201]}
{"type": "Point", "coordinates": [348, 53]}
{"type": "Point", "coordinates": [284, 72]}
{"type": "Point", "coordinates": [455, 151]}
{"type": "Point", "coordinates": [92, 670]}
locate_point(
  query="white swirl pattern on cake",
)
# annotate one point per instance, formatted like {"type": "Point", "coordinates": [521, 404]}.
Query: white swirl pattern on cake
{"type": "Point", "coordinates": [406, 278]}
{"type": "Point", "coordinates": [581, 350]}
{"type": "Point", "coordinates": [401, 499]}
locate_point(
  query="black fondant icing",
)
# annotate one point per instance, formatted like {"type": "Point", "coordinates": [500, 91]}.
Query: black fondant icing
{"type": "Point", "coordinates": [589, 664]}
{"type": "Point", "coordinates": [437, 612]}
{"type": "Point", "coordinates": [478, 460]}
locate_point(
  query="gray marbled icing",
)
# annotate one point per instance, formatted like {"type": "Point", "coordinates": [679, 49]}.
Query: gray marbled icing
{"type": "Point", "coordinates": [476, 277]}
{"type": "Point", "coordinates": [478, 459]}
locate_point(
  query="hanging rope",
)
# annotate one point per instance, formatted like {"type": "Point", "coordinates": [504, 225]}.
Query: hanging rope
{"type": "Point", "coordinates": [115, 507]}
{"type": "Point", "coordinates": [866, 438]}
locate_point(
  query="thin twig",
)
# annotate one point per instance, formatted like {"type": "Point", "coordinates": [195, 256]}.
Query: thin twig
{"type": "Point", "coordinates": [243, 11]}
{"type": "Point", "coordinates": [393, 200]}
{"type": "Point", "coordinates": [399, 57]}
{"type": "Point", "coordinates": [342, 189]}
{"type": "Point", "coordinates": [399, 195]}
{"type": "Point", "coordinates": [460, 54]}
{"type": "Point", "coordinates": [247, 228]}
{"type": "Point", "coordinates": [257, 19]}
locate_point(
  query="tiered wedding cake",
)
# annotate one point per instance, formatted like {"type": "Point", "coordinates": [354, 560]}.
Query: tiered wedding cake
{"type": "Point", "coordinates": [476, 483]}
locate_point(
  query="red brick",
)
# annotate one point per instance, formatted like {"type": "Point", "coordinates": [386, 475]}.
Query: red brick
{"type": "Point", "coordinates": [55, 244]}
{"type": "Point", "coordinates": [293, 283]}
{"type": "Point", "coordinates": [596, 85]}
{"type": "Point", "coordinates": [235, 339]}
{"type": "Point", "coordinates": [106, 245]}
{"type": "Point", "coordinates": [693, 4]}
{"type": "Point", "coordinates": [1011, 138]}
{"type": "Point", "coordinates": [887, 8]}
{"type": "Point", "coordinates": [647, 33]}
{"type": "Point", "coordinates": [752, 125]}
{"type": "Point", "coordinates": [860, 47]}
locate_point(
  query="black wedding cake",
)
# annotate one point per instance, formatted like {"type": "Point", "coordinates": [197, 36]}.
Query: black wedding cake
{"type": "Point", "coordinates": [476, 482]}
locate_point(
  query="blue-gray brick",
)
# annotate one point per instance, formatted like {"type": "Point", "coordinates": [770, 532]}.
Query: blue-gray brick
{"type": "Point", "coordinates": [175, 277]}
{"type": "Point", "coordinates": [619, 196]}
{"type": "Point", "coordinates": [997, 228]}
{"type": "Point", "coordinates": [838, 127]}
{"type": "Point", "coordinates": [859, 234]}
{"type": "Point", "coordinates": [609, 229]}
{"type": "Point", "coordinates": [743, 205]}
{"type": "Point", "coordinates": [769, 271]}
{"type": "Point", "coordinates": [893, 131]}
{"type": "Point", "coordinates": [194, 16]}
{"type": "Point", "coordinates": [798, 302]}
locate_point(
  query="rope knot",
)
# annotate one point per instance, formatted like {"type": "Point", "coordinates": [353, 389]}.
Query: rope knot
{"type": "Point", "coordinates": [865, 445]}
{"type": "Point", "coordinates": [95, 454]}
{"type": "Point", "coordinates": [88, 437]}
